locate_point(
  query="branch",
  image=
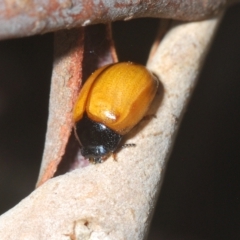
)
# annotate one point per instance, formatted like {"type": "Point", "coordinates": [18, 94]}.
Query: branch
{"type": "Point", "coordinates": [25, 18]}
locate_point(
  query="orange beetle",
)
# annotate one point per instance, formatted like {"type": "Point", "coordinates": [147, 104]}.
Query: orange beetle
{"type": "Point", "coordinates": [111, 102]}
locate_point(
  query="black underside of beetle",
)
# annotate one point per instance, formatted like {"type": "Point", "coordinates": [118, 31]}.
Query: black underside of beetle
{"type": "Point", "coordinates": [97, 140]}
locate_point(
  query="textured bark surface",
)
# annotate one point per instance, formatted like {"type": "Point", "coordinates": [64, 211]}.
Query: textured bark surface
{"type": "Point", "coordinates": [66, 76]}
{"type": "Point", "coordinates": [29, 17]}
{"type": "Point", "coordinates": [78, 53]}
{"type": "Point", "coordinates": [114, 200]}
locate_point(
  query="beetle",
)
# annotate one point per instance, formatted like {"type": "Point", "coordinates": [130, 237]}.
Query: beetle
{"type": "Point", "coordinates": [111, 102]}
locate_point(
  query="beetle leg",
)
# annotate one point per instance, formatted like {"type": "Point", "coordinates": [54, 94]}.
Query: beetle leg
{"type": "Point", "coordinates": [128, 145]}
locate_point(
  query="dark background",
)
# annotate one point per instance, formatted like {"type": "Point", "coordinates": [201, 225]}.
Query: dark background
{"type": "Point", "coordinates": [200, 193]}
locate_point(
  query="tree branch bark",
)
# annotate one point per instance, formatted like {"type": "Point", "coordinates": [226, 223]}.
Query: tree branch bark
{"type": "Point", "coordinates": [25, 18]}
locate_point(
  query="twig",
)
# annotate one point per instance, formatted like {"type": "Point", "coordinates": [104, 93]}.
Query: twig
{"type": "Point", "coordinates": [25, 18]}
